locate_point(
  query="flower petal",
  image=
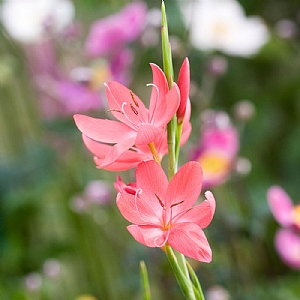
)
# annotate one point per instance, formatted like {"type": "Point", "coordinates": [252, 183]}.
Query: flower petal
{"type": "Point", "coordinates": [190, 240]}
{"type": "Point", "coordinates": [136, 210]}
{"type": "Point", "coordinates": [184, 87]}
{"type": "Point", "coordinates": [281, 205]}
{"type": "Point", "coordinates": [288, 245]}
{"type": "Point", "coordinates": [153, 182]}
{"type": "Point", "coordinates": [159, 89]}
{"type": "Point", "coordinates": [101, 150]}
{"type": "Point", "coordinates": [147, 133]}
{"type": "Point", "coordinates": [201, 214]}
{"type": "Point", "coordinates": [117, 150]}
{"type": "Point", "coordinates": [185, 186]}
{"type": "Point", "coordinates": [106, 131]}
{"type": "Point", "coordinates": [128, 208]}
{"type": "Point", "coordinates": [149, 236]}
{"type": "Point", "coordinates": [167, 108]}
{"type": "Point", "coordinates": [125, 105]}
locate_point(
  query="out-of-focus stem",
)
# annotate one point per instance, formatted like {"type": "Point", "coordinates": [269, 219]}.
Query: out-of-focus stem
{"type": "Point", "coordinates": [145, 281]}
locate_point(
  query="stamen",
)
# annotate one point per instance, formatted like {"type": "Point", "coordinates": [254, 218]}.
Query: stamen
{"type": "Point", "coordinates": [153, 85]}
{"type": "Point", "coordinates": [123, 104]}
{"type": "Point", "coordinates": [133, 109]}
{"type": "Point", "coordinates": [116, 110]}
{"type": "Point", "coordinates": [160, 202]}
{"type": "Point", "coordinates": [133, 99]}
{"type": "Point", "coordinates": [164, 242]}
{"type": "Point", "coordinates": [181, 214]}
{"type": "Point", "coordinates": [177, 203]}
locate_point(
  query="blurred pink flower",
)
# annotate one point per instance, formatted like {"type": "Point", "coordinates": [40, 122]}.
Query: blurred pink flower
{"type": "Point", "coordinates": [138, 125]}
{"type": "Point", "coordinates": [110, 34]}
{"type": "Point", "coordinates": [119, 65]}
{"type": "Point", "coordinates": [217, 149]}
{"type": "Point", "coordinates": [164, 212]}
{"type": "Point", "coordinates": [76, 97]}
{"type": "Point", "coordinates": [287, 239]}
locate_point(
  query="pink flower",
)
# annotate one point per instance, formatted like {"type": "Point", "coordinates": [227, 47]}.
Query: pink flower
{"type": "Point", "coordinates": [164, 212]}
{"type": "Point", "coordinates": [138, 125]}
{"type": "Point", "coordinates": [217, 149]}
{"type": "Point", "coordinates": [133, 156]}
{"type": "Point", "coordinates": [76, 97]}
{"type": "Point", "coordinates": [112, 33]}
{"type": "Point", "coordinates": [121, 187]}
{"type": "Point", "coordinates": [287, 239]}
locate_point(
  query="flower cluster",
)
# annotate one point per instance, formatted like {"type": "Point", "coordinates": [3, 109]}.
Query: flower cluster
{"type": "Point", "coordinates": [162, 212]}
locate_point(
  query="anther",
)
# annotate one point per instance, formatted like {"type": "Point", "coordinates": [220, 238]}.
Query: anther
{"type": "Point", "coordinates": [160, 202]}
{"type": "Point", "coordinates": [177, 203]}
{"type": "Point", "coordinates": [133, 109]}
{"type": "Point", "coordinates": [116, 110]}
{"type": "Point", "coordinates": [133, 99]}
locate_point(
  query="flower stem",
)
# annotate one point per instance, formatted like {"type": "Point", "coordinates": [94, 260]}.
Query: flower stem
{"type": "Point", "coordinates": [168, 70]}
{"type": "Point", "coordinates": [178, 137]}
{"type": "Point", "coordinates": [145, 281]}
{"type": "Point", "coordinates": [178, 261]}
{"type": "Point", "coordinates": [183, 281]}
{"type": "Point", "coordinates": [166, 48]}
{"type": "Point", "coordinates": [197, 286]}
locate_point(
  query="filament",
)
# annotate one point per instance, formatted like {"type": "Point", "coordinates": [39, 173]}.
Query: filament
{"type": "Point", "coordinates": [157, 96]}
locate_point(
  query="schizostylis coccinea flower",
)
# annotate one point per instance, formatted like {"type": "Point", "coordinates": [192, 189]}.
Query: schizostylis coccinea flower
{"type": "Point", "coordinates": [137, 125]}
{"type": "Point", "coordinates": [133, 156]}
{"type": "Point", "coordinates": [163, 212]}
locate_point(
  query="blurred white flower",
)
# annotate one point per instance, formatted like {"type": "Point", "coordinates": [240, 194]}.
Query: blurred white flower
{"type": "Point", "coordinates": [29, 21]}
{"type": "Point", "coordinates": [222, 25]}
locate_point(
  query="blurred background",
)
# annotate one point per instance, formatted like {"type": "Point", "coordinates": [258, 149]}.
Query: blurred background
{"type": "Point", "coordinates": [61, 234]}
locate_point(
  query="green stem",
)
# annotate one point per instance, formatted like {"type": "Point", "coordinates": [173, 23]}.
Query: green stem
{"type": "Point", "coordinates": [198, 290]}
{"type": "Point", "coordinates": [172, 163]}
{"type": "Point", "coordinates": [168, 70]}
{"type": "Point", "coordinates": [166, 48]}
{"type": "Point", "coordinates": [182, 263]}
{"type": "Point", "coordinates": [177, 141]}
{"type": "Point", "coordinates": [145, 281]}
{"type": "Point", "coordinates": [183, 281]}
